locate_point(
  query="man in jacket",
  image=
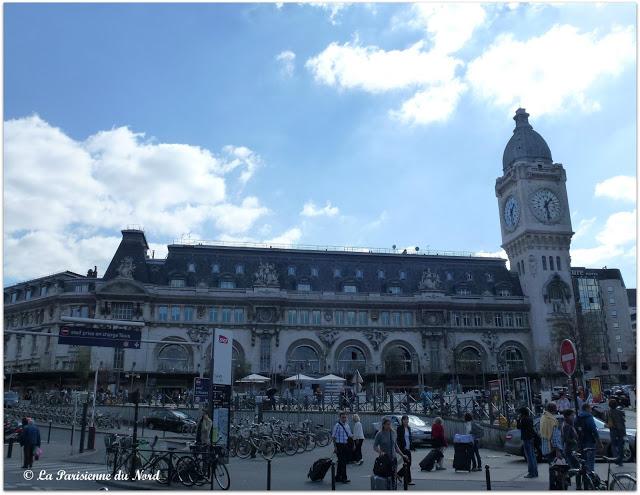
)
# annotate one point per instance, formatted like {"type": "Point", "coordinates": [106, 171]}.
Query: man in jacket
{"type": "Point", "coordinates": [341, 434]}
{"type": "Point", "coordinates": [403, 438]}
{"type": "Point", "coordinates": [30, 440]}
{"type": "Point", "coordinates": [528, 435]}
{"type": "Point", "coordinates": [588, 435]}
{"type": "Point", "coordinates": [617, 429]}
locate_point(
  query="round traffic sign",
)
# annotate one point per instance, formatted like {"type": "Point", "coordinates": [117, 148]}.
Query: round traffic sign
{"type": "Point", "coordinates": [64, 331]}
{"type": "Point", "coordinates": [568, 357]}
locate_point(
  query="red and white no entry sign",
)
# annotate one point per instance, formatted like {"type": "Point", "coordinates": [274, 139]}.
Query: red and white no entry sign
{"type": "Point", "coordinates": [568, 357]}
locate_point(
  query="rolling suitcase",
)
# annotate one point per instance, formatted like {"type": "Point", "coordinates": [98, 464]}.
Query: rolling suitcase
{"type": "Point", "coordinates": [381, 483]}
{"type": "Point", "coordinates": [319, 469]}
{"type": "Point", "coordinates": [462, 453]}
{"type": "Point", "coordinates": [430, 460]}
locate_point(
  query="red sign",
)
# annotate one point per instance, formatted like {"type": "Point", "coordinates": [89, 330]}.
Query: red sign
{"type": "Point", "coordinates": [222, 339]}
{"type": "Point", "coordinates": [568, 357]}
{"type": "Point", "coordinates": [64, 331]}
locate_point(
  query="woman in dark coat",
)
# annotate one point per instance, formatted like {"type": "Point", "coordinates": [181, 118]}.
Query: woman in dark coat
{"type": "Point", "coordinates": [403, 438]}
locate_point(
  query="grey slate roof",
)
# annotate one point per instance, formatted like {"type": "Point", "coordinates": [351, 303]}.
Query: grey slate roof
{"type": "Point", "coordinates": [525, 143]}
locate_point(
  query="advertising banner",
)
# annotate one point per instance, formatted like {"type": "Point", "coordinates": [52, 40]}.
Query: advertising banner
{"type": "Point", "coordinates": [522, 393]}
{"type": "Point", "coordinates": [221, 386]}
{"type": "Point", "coordinates": [495, 394]}
{"type": "Point", "coordinates": [595, 385]}
{"type": "Point", "coordinates": [222, 356]}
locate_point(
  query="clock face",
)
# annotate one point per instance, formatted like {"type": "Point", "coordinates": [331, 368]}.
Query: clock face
{"type": "Point", "coordinates": [511, 212]}
{"type": "Point", "coordinates": [546, 206]}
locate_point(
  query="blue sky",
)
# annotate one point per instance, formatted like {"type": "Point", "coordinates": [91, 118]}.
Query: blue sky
{"type": "Point", "coordinates": [358, 125]}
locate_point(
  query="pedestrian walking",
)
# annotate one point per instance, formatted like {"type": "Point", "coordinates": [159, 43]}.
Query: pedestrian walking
{"type": "Point", "coordinates": [404, 438]}
{"type": "Point", "coordinates": [385, 443]}
{"type": "Point", "coordinates": [29, 440]}
{"type": "Point", "coordinates": [570, 443]}
{"type": "Point", "coordinates": [439, 441]}
{"type": "Point", "coordinates": [427, 399]}
{"type": "Point", "coordinates": [588, 436]}
{"type": "Point", "coordinates": [550, 442]}
{"type": "Point", "coordinates": [358, 437]}
{"type": "Point", "coordinates": [618, 430]}
{"type": "Point", "coordinates": [474, 429]}
{"type": "Point", "coordinates": [341, 435]}
{"type": "Point", "coordinates": [528, 435]}
{"type": "Point", "coordinates": [563, 403]}
{"type": "Point", "coordinates": [203, 431]}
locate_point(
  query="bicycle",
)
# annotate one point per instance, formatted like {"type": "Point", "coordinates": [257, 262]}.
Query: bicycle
{"type": "Point", "coordinates": [198, 468]}
{"type": "Point", "coordinates": [591, 481]}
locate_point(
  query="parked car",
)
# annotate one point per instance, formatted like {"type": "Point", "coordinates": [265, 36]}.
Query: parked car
{"type": "Point", "coordinates": [170, 420]}
{"type": "Point", "coordinates": [513, 442]}
{"type": "Point", "coordinates": [11, 399]}
{"type": "Point", "coordinates": [12, 428]}
{"type": "Point", "coordinates": [420, 431]}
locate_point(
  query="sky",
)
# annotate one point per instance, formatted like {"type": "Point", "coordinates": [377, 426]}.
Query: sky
{"type": "Point", "coordinates": [367, 125]}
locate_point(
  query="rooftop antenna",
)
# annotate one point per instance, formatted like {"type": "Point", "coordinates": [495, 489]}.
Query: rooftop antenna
{"type": "Point", "coordinates": [417, 249]}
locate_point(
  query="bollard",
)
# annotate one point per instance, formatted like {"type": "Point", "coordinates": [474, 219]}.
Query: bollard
{"type": "Point", "coordinates": [488, 477]}
{"type": "Point", "coordinates": [73, 429]}
{"type": "Point", "coordinates": [49, 435]}
{"type": "Point", "coordinates": [269, 474]}
{"type": "Point", "coordinates": [10, 449]}
{"type": "Point", "coordinates": [333, 476]}
{"type": "Point", "coordinates": [144, 419]}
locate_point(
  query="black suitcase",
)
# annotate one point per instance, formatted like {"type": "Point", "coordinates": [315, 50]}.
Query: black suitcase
{"type": "Point", "coordinates": [319, 469]}
{"type": "Point", "coordinates": [559, 477]}
{"type": "Point", "coordinates": [430, 460]}
{"type": "Point", "coordinates": [462, 453]}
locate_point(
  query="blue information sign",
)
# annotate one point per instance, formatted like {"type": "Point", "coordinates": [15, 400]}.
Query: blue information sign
{"type": "Point", "coordinates": [201, 388]}
{"type": "Point", "coordinates": [99, 337]}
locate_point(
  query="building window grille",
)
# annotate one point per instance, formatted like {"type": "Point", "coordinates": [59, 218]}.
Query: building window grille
{"type": "Point", "coordinates": [122, 311]}
{"type": "Point", "coordinates": [466, 319]}
{"type": "Point", "coordinates": [456, 320]}
{"type": "Point", "coordinates": [339, 317]}
{"type": "Point", "coordinates": [351, 289]}
{"type": "Point", "coordinates": [227, 284]}
{"type": "Point", "coordinates": [291, 271]}
{"type": "Point", "coordinates": [177, 283]}
{"type": "Point", "coordinates": [34, 345]}
{"type": "Point", "coordinates": [213, 314]}
{"type": "Point", "coordinates": [265, 353]}
{"type": "Point", "coordinates": [363, 318]}
{"type": "Point", "coordinates": [558, 263]}
{"type": "Point", "coordinates": [172, 358]}
{"type": "Point", "coordinates": [118, 358]}
{"type": "Point", "coordinates": [351, 317]}
{"type": "Point", "coordinates": [463, 292]}
{"type": "Point", "coordinates": [403, 275]}
{"type": "Point", "coordinates": [303, 317]}
{"type": "Point", "coordinates": [226, 315]}
{"type": "Point", "coordinates": [359, 274]}
{"type": "Point", "coordinates": [240, 269]}
{"type": "Point", "coordinates": [191, 267]}
{"type": "Point", "coordinates": [544, 263]}
{"type": "Point", "coordinates": [616, 324]}
{"type": "Point", "coordinates": [504, 292]}
{"type": "Point", "coordinates": [188, 313]}
{"type": "Point", "coordinates": [380, 274]}
{"type": "Point", "coordinates": [314, 272]}
{"type": "Point", "coordinates": [292, 317]}
{"type": "Point", "coordinates": [612, 300]}
{"type": "Point", "coordinates": [395, 318]}
{"type": "Point", "coordinates": [175, 313]}
{"type": "Point", "coordinates": [47, 345]}
{"type": "Point", "coordinates": [509, 319]}
{"type": "Point", "coordinates": [395, 290]}
{"type": "Point", "coordinates": [215, 268]}
{"type": "Point", "coordinates": [384, 318]}
{"type": "Point", "coordinates": [551, 263]}
{"type": "Point", "coordinates": [27, 294]}
{"type": "Point", "coordinates": [477, 319]}
{"type": "Point", "coordinates": [43, 290]}
{"type": "Point", "coordinates": [304, 287]}
{"type": "Point", "coordinates": [408, 319]}
{"type": "Point", "coordinates": [519, 320]}
{"type": "Point", "coordinates": [238, 315]}
{"type": "Point", "coordinates": [351, 358]}
{"type": "Point", "coordinates": [80, 288]}
{"type": "Point", "coordinates": [163, 313]}
{"type": "Point", "coordinates": [336, 272]}
{"type": "Point", "coordinates": [614, 313]}
{"type": "Point", "coordinates": [609, 289]}
{"type": "Point", "coordinates": [14, 297]}
{"type": "Point", "coordinates": [304, 359]}
{"type": "Point", "coordinates": [498, 320]}
{"type": "Point", "coordinates": [317, 317]}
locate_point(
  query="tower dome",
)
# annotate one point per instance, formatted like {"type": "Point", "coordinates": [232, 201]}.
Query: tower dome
{"type": "Point", "coordinates": [525, 143]}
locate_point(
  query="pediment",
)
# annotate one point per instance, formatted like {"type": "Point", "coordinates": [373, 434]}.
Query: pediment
{"type": "Point", "coordinates": [122, 286]}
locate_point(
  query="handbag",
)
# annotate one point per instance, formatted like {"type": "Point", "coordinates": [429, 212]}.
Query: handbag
{"type": "Point", "coordinates": [383, 466]}
{"type": "Point", "coordinates": [38, 453]}
{"type": "Point", "coordinates": [351, 444]}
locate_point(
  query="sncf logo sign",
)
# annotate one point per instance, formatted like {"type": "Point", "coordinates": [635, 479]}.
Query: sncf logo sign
{"type": "Point", "coordinates": [222, 339]}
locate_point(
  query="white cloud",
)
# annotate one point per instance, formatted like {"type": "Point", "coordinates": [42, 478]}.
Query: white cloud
{"type": "Point", "coordinates": [333, 8]}
{"type": "Point", "coordinates": [291, 236]}
{"type": "Point", "coordinates": [287, 61]}
{"type": "Point", "coordinates": [311, 210]}
{"type": "Point", "coordinates": [60, 193]}
{"type": "Point", "coordinates": [435, 104]}
{"type": "Point", "coordinates": [614, 240]}
{"type": "Point", "coordinates": [372, 69]}
{"type": "Point", "coordinates": [450, 26]}
{"type": "Point", "coordinates": [552, 72]}
{"type": "Point", "coordinates": [583, 227]}
{"type": "Point", "coordinates": [500, 253]}
{"type": "Point", "coordinates": [620, 187]}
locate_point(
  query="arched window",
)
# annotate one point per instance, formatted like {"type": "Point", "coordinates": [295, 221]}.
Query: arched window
{"type": "Point", "coordinates": [512, 357]}
{"type": "Point", "coordinates": [351, 358]}
{"type": "Point", "coordinates": [304, 359]}
{"type": "Point", "coordinates": [397, 361]}
{"type": "Point", "coordinates": [556, 294]}
{"type": "Point", "coordinates": [469, 361]}
{"type": "Point", "coordinates": [173, 358]}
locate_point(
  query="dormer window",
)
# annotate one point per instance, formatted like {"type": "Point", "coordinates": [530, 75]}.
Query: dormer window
{"type": "Point", "coordinates": [304, 287]}
{"type": "Point", "coordinates": [337, 272]}
{"type": "Point", "coordinates": [380, 274]}
{"type": "Point", "coordinates": [14, 297]}
{"type": "Point", "coordinates": [191, 267]}
{"type": "Point", "coordinates": [403, 275]}
{"type": "Point", "coordinates": [469, 276]}
{"type": "Point", "coordinates": [28, 293]}
{"type": "Point", "coordinates": [504, 292]}
{"type": "Point", "coordinates": [177, 283]}
{"type": "Point", "coordinates": [227, 284]}
{"type": "Point", "coordinates": [350, 288]}
{"type": "Point", "coordinates": [215, 268]}
{"type": "Point", "coordinates": [463, 291]}
{"type": "Point", "coordinates": [489, 277]}
{"type": "Point", "coordinates": [43, 290]}
{"type": "Point", "coordinates": [449, 276]}
{"type": "Point", "coordinates": [291, 271]}
{"type": "Point", "coordinates": [395, 290]}
{"type": "Point", "coordinates": [359, 273]}
{"type": "Point", "coordinates": [314, 272]}
{"type": "Point", "coordinates": [239, 269]}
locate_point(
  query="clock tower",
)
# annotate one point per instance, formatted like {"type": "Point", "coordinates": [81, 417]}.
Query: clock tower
{"type": "Point", "coordinates": [536, 234]}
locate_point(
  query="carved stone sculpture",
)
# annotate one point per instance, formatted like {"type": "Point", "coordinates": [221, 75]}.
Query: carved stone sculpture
{"type": "Point", "coordinates": [126, 267]}
{"type": "Point", "coordinates": [328, 337]}
{"type": "Point", "coordinates": [430, 280]}
{"type": "Point", "coordinates": [376, 337]}
{"type": "Point", "coordinates": [198, 334]}
{"type": "Point", "coordinates": [266, 276]}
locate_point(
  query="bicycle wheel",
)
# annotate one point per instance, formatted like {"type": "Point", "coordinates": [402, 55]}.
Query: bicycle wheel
{"type": "Point", "coordinates": [322, 439]}
{"type": "Point", "coordinates": [221, 474]}
{"type": "Point", "coordinates": [267, 449]}
{"type": "Point", "coordinates": [233, 447]}
{"type": "Point", "coordinates": [623, 482]}
{"type": "Point", "coordinates": [244, 448]}
{"type": "Point", "coordinates": [302, 443]}
{"type": "Point", "coordinates": [290, 446]}
{"type": "Point", "coordinates": [311, 442]}
{"type": "Point", "coordinates": [161, 466]}
{"type": "Point", "coordinates": [185, 470]}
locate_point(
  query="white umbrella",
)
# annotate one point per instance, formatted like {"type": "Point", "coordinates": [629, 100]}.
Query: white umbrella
{"type": "Point", "coordinates": [253, 378]}
{"type": "Point", "coordinates": [330, 378]}
{"type": "Point", "coordinates": [299, 378]}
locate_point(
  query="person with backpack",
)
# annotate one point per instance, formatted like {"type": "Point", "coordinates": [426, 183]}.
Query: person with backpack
{"type": "Point", "coordinates": [570, 442]}
{"type": "Point", "coordinates": [474, 429]}
{"type": "Point", "coordinates": [528, 435]}
{"type": "Point", "coordinates": [618, 430]}
{"type": "Point", "coordinates": [550, 433]}
{"type": "Point", "coordinates": [588, 436]}
{"type": "Point", "coordinates": [385, 444]}
{"type": "Point", "coordinates": [343, 442]}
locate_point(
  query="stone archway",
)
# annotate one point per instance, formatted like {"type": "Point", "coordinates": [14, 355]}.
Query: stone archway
{"type": "Point", "coordinates": [399, 358]}
{"type": "Point", "coordinates": [304, 356]}
{"type": "Point", "coordinates": [350, 355]}
{"type": "Point", "coordinates": [171, 356]}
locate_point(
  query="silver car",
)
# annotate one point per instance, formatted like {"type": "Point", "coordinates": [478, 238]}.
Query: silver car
{"type": "Point", "coordinates": [420, 430]}
{"type": "Point", "coordinates": [513, 442]}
